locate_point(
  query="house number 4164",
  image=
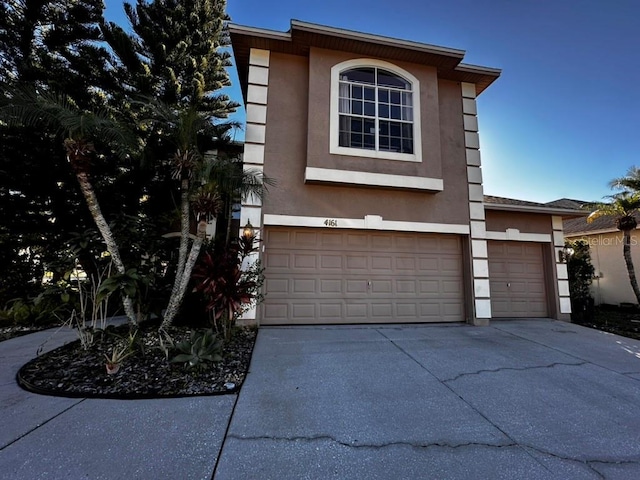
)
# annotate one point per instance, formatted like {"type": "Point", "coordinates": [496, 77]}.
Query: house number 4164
{"type": "Point", "coordinates": [331, 222]}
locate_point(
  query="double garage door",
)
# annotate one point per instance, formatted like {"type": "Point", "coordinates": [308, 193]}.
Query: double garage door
{"type": "Point", "coordinates": [317, 276]}
{"type": "Point", "coordinates": [321, 276]}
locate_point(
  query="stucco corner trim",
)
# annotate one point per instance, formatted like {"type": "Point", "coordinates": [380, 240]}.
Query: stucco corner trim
{"type": "Point", "coordinates": [349, 177]}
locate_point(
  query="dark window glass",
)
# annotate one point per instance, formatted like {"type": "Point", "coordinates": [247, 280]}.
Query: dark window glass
{"type": "Point", "coordinates": [369, 142]}
{"type": "Point", "coordinates": [359, 75]}
{"type": "Point", "coordinates": [368, 99]}
{"type": "Point", "coordinates": [370, 109]}
{"type": "Point", "coordinates": [391, 80]}
{"type": "Point", "coordinates": [369, 126]}
{"type": "Point", "coordinates": [369, 93]}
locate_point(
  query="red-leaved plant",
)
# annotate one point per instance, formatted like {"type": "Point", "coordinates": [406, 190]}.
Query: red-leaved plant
{"type": "Point", "coordinates": [226, 288]}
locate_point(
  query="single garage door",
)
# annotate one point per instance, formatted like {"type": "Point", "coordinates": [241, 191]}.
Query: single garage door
{"type": "Point", "coordinates": [516, 279]}
{"type": "Point", "coordinates": [316, 276]}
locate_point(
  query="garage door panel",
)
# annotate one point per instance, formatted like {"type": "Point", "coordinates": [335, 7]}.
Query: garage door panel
{"type": "Point", "coordinates": [361, 277]}
{"type": "Point", "coordinates": [449, 265]}
{"type": "Point", "coordinates": [302, 261]}
{"type": "Point", "coordinates": [406, 286]}
{"type": "Point", "coordinates": [381, 287]}
{"type": "Point", "coordinates": [381, 264]}
{"type": "Point", "coordinates": [516, 279]}
{"type": "Point", "coordinates": [429, 265]}
{"type": "Point", "coordinates": [331, 262]}
{"type": "Point", "coordinates": [277, 260]}
{"type": "Point", "coordinates": [429, 287]}
{"type": "Point", "coordinates": [304, 285]}
{"type": "Point", "coordinates": [356, 311]}
{"type": "Point", "coordinates": [454, 287]}
{"type": "Point", "coordinates": [357, 262]}
{"type": "Point", "coordinates": [277, 285]}
{"type": "Point", "coordinates": [406, 310]}
{"type": "Point", "coordinates": [356, 286]}
{"type": "Point", "coordinates": [357, 240]}
{"type": "Point", "coordinates": [382, 310]}
{"type": "Point", "coordinates": [304, 310]}
{"type": "Point", "coordinates": [330, 310]}
{"type": "Point", "coordinates": [330, 286]}
{"type": "Point", "coordinates": [383, 242]}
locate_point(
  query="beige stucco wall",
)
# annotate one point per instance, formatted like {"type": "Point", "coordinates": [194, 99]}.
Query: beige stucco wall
{"type": "Point", "coordinates": [297, 136]}
{"type": "Point", "coordinates": [612, 285]}
{"type": "Point", "coordinates": [525, 222]}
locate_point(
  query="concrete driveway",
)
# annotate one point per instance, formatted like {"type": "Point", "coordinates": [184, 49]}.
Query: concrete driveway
{"type": "Point", "coordinates": [530, 399]}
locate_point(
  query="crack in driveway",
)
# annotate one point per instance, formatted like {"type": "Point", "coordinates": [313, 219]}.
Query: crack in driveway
{"type": "Point", "coordinates": [589, 463]}
{"type": "Point", "coordinates": [356, 444]}
{"type": "Point", "coordinates": [494, 370]}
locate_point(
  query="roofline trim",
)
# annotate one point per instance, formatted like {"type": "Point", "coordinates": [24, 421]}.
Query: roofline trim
{"type": "Point", "coordinates": [532, 209]}
{"type": "Point", "coordinates": [468, 68]}
{"type": "Point", "coordinates": [593, 232]}
{"type": "Point", "coordinates": [259, 32]}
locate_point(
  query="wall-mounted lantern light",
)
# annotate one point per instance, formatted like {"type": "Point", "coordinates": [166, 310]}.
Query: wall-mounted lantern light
{"type": "Point", "coordinates": [565, 254]}
{"type": "Point", "coordinates": [248, 232]}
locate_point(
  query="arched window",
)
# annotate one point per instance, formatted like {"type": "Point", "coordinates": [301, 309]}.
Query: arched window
{"type": "Point", "coordinates": [375, 111]}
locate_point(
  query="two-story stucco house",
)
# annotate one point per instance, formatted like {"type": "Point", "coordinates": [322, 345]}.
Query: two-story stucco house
{"type": "Point", "coordinates": [379, 213]}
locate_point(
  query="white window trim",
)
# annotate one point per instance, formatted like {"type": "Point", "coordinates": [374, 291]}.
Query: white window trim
{"type": "Point", "coordinates": [334, 146]}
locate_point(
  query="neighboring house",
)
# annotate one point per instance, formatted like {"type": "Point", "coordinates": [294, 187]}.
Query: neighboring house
{"type": "Point", "coordinates": [379, 213]}
{"type": "Point", "coordinates": [611, 283]}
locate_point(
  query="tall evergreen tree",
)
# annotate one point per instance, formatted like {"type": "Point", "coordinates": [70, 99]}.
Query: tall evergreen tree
{"type": "Point", "coordinates": [44, 45]}
{"type": "Point", "coordinates": [175, 55]}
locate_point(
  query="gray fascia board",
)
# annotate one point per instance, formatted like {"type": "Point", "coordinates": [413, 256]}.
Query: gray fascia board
{"type": "Point", "coordinates": [465, 67]}
{"type": "Point", "coordinates": [532, 209]}
{"type": "Point", "coordinates": [259, 32]}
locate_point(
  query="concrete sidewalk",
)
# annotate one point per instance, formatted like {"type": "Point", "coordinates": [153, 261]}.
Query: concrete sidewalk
{"type": "Point", "coordinates": [519, 399]}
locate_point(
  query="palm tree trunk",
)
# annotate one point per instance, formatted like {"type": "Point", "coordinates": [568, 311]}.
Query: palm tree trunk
{"type": "Point", "coordinates": [182, 281]}
{"type": "Point", "coordinates": [184, 233]}
{"type": "Point", "coordinates": [107, 235]}
{"type": "Point", "coordinates": [626, 252]}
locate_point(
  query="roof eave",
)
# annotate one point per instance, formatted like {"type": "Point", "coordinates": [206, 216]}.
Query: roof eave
{"type": "Point", "coordinates": [563, 212]}
{"type": "Point", "coordinates": [593, 232]}
{"type": "Point", "coordinates": [378, 39]}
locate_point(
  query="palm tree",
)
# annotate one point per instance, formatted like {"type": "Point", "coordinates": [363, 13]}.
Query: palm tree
{"type": "Point", "coordinates": [205, 182]}
{"type": "Point", "coordinates": [623, 205]}
{"type": "Point", "coordinates": [630, 182]}
{"type": "Point", "coordinates": [60, 115]}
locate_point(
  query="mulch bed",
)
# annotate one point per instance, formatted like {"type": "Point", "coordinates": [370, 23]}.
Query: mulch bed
{"type": "Point", "coordinates": [621, 321]}
{"type": "Point", "coordinates": [75, 372]}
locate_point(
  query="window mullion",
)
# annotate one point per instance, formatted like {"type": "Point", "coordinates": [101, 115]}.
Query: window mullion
{"type": "Point", "coordinates": [377, 124]}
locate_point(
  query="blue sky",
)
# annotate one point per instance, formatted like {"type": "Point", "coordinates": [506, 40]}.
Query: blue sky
{"type": "Point", "coordinates": [564, 117]}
